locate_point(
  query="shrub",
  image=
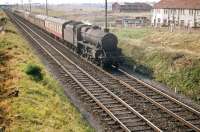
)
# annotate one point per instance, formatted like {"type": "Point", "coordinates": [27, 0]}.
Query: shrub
{"type": "Point", "coordinates": [35, 72]}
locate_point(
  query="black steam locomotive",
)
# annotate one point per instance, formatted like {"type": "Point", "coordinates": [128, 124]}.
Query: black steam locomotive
{"type": "Point", "coordinates": [89, 41]}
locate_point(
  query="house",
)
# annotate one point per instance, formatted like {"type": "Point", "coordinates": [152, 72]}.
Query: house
{"type": "Point", "coordinates": [131, 7]}
{"type": "Point", "coordinates": [183, 13]}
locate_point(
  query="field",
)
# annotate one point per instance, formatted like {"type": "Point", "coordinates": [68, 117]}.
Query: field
{"type": "Point", "coordinates": [31, 100]}
{"type": "Point", "coordinates": [88, 15]}
{"type": "Point", "coordinates": [170, 58]}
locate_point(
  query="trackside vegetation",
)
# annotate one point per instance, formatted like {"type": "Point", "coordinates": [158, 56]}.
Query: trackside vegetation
{"type": "Point", "coordinates": [172, 58]}
{"type": "Point", "coordinates": [35, 72]}
{"type": "Point", "coordinates": [30, 99]}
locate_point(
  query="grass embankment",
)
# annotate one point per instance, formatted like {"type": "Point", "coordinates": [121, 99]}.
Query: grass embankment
{"type": "Point", "coordinates": [173, 58]}
{"type": "Point", "coordinates": [30, 99]}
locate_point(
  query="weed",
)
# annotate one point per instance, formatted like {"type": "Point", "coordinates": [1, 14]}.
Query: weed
{"type": "Point", "coordinates": [34, 71]}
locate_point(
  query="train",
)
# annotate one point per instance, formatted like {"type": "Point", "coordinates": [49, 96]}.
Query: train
{"type": "Point", "coordinates": [89, 41]}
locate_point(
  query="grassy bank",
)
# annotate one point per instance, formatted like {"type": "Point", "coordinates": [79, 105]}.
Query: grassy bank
{"type": "Point", "coordinates": [32, 99]}
{"type": "Point", "coordinates": [171, 58]}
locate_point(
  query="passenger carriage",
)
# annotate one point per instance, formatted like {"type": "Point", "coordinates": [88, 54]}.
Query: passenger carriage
{"type": "Point", "coordinates": [40, 21]}
{"type": "Point", "coordinates": [55, 26]}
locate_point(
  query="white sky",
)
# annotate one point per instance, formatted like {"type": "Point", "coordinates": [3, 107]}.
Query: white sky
{"type": "Point", "coordinates": [70, 1]}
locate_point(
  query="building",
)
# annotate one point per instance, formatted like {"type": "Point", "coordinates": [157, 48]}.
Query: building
{"type": "Point", "coordinates": [131, 7]}
{"type": "Point", "coordinates": [183, 13]}
{"type": "Point", "coordinates": [132, 22]}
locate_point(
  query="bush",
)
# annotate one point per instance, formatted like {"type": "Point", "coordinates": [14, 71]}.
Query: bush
{"type": "Point", "coordinates": [35, 72]}
{"type": "Point", "coordinates": [3, 21]}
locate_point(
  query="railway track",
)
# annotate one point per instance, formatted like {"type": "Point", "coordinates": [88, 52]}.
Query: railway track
{"type": "Point", "coordinates": [158, 110]}
{"type": "Point", "coordinates": [119, 111]}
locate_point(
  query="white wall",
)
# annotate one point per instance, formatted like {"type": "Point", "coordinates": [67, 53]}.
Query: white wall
{"type": "Point", "coordinates": [177, 15]}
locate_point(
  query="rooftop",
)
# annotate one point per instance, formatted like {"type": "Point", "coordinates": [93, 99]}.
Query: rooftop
{"type": "Point", "coordinates": [180, 4]}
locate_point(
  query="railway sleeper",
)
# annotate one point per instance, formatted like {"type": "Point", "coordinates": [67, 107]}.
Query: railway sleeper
{"type": "Point", "coordinates": [131, 120]}
{"type": "Point", "coordinates": [103, 97]}
{"type": "Point", "coordinates": [185, 114]}
{"type": "Point", "coordinates": [189, 130]}
{"type": "Point", "coordinates": [129, 116]}
{"type": "Point", "coordinates": [113, 105]}
{"type": "Point", "coordinates": [108, 100]}
{"type": "Point", "coordinates": [118, 109]}
{"type": "Point", "coordinates": [94, 86]}
{"type": "Point", "coordinates": [175, 110]}
{"type": "Point", "coordinates": [91, 88]}
{"type": "Point", "coordinates": [148, 93]}
{"type": "Point", "coordinates": [89, 84]}
{"type": "Point", "coordinates": [101, 94]}
{"type": "Point", "coordinates": [161, 100]}
{"type": "Point", "coordinates": [139, 85]}
{"type": "Point", "coordinates": [142, 88]}
{"type": "Point", "coordinates": [166, 103]}
{"type": "Point", "coordinates": [161, 117]}
{"type": "Point", "coordinates": [136, 124]}
{"type": "Point", "coordinates": [194, 121]}
{"type": "Point", "coordinates": [81, 77]}
{"type": "Point", "coordinates": [139, 88]}
{"type": "Point", "coordinates": [84, 81]}
{"type": "Point", "coordinates": [172, 106]}
{"type": "Point", "coordinates": [154, 108]}
{"type": "Point", "coordinates": [144, 101]}
{"type": "Point", "coordinates": [97, 91]}
{"type": "Point", "coordinates": [122, 113]}
{"type": "Point", "coordinates": [156, 96]}
{"type": "Point", "coordinates": [116, 128]}
{"type": "Point", "coordinates": [136, 127]}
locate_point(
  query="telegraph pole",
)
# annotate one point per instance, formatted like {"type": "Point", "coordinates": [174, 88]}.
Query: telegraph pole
{"type": "Point", "coordinates": [106, 16]}
{"type": "Point", "coordinates": [30, 5]}
{"type": "Point", "coordinates": [22, 4]}
{"type": "Point", "coordinates": [46, 7]}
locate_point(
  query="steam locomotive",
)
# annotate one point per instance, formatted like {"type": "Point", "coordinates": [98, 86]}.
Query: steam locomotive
{"type": "Point", "coordinates": [89, 41]}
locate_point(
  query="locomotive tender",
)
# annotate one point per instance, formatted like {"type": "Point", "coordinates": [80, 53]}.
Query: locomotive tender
{"type": "Point", "coordinates": [89, 41]}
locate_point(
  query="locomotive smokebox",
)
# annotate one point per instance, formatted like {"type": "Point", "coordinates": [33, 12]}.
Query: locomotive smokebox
{"type": "Point", "coordinates": [99, 38]}
{"type": "Point", "coordinates": [109, 41]}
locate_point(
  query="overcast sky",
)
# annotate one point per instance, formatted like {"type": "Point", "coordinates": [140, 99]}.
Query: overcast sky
{"type": "Point", "coordinates": [71, 1]}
